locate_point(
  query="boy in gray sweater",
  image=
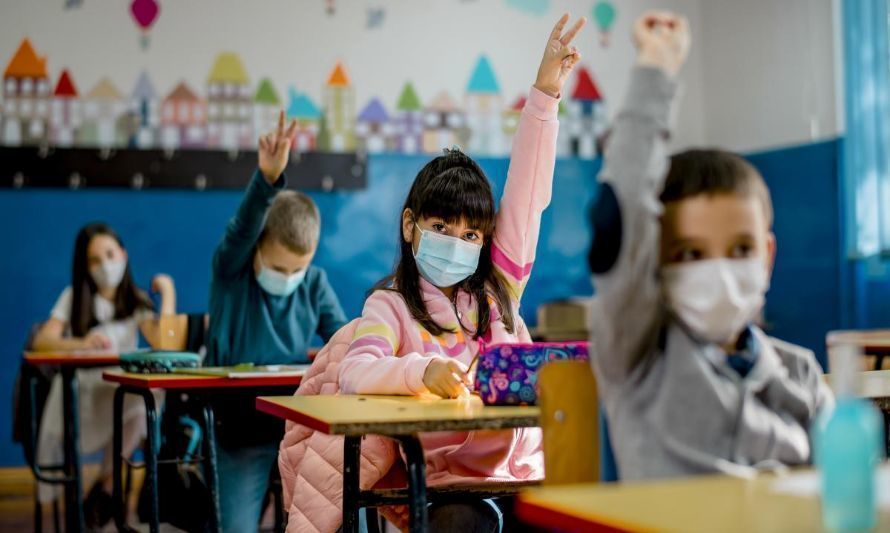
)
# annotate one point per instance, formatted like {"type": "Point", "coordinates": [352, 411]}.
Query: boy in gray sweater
{"type": "Point", "coordinates": [682, 256]}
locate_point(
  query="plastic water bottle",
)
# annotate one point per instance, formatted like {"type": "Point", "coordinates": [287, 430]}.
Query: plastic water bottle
{"type": "Point", "coordinates": [849, 443]}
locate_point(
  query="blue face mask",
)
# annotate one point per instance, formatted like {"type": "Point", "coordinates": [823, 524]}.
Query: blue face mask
{"type": "Point", "coordinates": [445, 261]}
{"type": "Point", "coordinates": [276, 283]}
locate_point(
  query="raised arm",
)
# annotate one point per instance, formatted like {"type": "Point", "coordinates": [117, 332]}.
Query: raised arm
{"type": "Point", "coordinates": [530, 177]}
{"type": "Point", "coordinates": [150, 327]}
{"type": "Point", "coordinates": [235, 251]}
{"type": "Point", "coordinates": [625, 251]}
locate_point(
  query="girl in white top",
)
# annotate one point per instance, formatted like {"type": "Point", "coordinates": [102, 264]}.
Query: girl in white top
{"type": "Point", "coordinates": [103, 309]}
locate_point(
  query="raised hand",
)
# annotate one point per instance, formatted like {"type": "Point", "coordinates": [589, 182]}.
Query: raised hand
{"type": "Point", "coordinates": [559, 58]}
{"type": "Point", "coordinates": [274, 149]}
{"type": "Point", "coordinates": [663, 40]}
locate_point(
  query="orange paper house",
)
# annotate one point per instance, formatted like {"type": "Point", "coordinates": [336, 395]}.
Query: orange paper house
{"type": "Point", "coordinates": [26, 95]}
{"type": "Point", "coordinates": [338, 124]}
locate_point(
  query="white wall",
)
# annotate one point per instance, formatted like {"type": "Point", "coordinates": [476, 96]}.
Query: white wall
{"type": "Point", "coordinates": [760, 75]}
{"type": "Point", "coordinates": [434, 43]}
{"type": "Point", "coordinates": [769, 73]}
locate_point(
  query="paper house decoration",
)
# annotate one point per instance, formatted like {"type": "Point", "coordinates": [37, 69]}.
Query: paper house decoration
{"type": "Point", "coordinates": [266, 106]}
{"type": "Point", "coordinates": [144, 107]}
{"type": "Point", "coordinates": [510, 116]}
{"type": "Point", "coordinates": [339, 111]}
{"type": "Point", "coordinates": [585, 115]}
{"type": "Point", "coordinates": [483, 107]}
{"type": "Point", "coordinates": [103, 105]}
{"type": "Point", "coordinates": [408, 121]}
{"type": "Point", "coordinates": [308, 117]}
{"type": "Point", "coordinates": [182, 119]}
{"type": "Point", "coordinates": [373, 129]}
{"type": "Point", "coordinates": [443, 124]}
{"type": "Point", "coordinates": [229, 103]}
{"type": "Point", "coordinates": [26, 95]}
{"type": "Point", "coordinates": [66, 111]}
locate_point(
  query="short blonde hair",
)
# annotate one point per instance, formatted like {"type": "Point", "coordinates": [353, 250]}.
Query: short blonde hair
{"type": "Point", "coordinates": [294, 221]}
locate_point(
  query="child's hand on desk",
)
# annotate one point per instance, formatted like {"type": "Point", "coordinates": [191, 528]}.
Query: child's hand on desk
{"type": "Point", "coordinates": [274, 149]}
{"type": "Point", "coordinates": [447, 379]}
{"type": "Point", "coordinates": [96, 341]}
{"type": "Point", "coordinates": [663, 40]}
{"type": "Point", "coordinates": [559, 57]}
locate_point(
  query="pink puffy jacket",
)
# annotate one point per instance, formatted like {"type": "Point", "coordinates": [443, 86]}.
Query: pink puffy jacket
{"type": "Point", "coordinates": [319, 481]}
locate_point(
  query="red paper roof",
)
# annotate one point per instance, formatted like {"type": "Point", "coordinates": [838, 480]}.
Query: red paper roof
{"type": "Point", "coordinates": [65, 87]}
{"type": "Point", "coordinates": [585, 87]}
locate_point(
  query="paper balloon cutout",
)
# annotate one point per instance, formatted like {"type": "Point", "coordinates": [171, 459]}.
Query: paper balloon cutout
{"type": "Point", "coordinates": [145, 12]}
{"type": "Point", "coordinates": [604, 14]}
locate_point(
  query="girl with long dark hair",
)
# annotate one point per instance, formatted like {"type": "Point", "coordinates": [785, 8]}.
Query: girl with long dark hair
{"type": "Point", "coordinates": [104, 310]}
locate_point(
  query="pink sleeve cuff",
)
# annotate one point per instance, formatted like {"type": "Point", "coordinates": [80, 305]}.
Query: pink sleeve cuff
{"type": "Point", "coordinates": [541, 105]}
{"type": "Point", "coordinates": [414, 374]}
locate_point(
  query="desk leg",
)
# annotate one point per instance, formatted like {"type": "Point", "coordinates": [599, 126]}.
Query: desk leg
{"type": "Point", "coordinates": [419, 521]}
{"type": "Point", "coordinates": [152, 449]}
{"type": "Point", "coordinates": [73, 489]}
{"type": "Point", "coordinates": [210, 463]}
{"type": "Point", "coordinates": [352, 449]}
{"type": "Point", "coordinates": [118, 500]}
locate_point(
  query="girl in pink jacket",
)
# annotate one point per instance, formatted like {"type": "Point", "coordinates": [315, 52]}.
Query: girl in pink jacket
{"type": "Point", "coordinates": [457, 284]}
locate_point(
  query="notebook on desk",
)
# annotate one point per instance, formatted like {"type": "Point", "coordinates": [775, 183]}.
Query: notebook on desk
{"type": "Point", "coordinates": [245, 371]}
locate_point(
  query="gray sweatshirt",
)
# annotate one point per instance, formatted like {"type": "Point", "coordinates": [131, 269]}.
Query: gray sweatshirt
{"type": "Point", "coordinates": [674, 405]}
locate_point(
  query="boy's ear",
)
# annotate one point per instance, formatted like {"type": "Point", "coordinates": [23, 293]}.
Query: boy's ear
{"type": "Point", "coordinates": [770, 252]}
{"type": "Point", "coordinates": [408, 225]}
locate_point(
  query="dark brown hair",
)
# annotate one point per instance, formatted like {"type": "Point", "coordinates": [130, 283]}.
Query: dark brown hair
{"type": "Point", "coordinates": [711, 172]}
{"type": "Point", "coordinates": [128, 298]}
{"type": "Point", "coordinates": [452, 187]}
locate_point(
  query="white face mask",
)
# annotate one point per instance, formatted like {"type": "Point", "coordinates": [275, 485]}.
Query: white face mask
{"type": "Point", "coordinates": [109, 274]}
{"type": "Point", "coordinates": [717, 298]}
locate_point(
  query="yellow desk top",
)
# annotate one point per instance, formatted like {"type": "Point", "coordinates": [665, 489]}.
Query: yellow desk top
{"type": "Point", "coordinates": [395, 415]}
{"type": "Point", "coordinates": [706, 504]}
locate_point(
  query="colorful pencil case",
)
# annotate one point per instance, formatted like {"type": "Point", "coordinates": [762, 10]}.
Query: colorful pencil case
{"type": "Point", "coordinates": [507, 374]}
{"type": "Point", "coordinates": [158, 362]}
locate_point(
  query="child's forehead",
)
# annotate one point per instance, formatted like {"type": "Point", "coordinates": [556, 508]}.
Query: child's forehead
{"type": "Point", "coordinates": [456, 221]}
{"type": "Point", "coordinates": [705, 214]}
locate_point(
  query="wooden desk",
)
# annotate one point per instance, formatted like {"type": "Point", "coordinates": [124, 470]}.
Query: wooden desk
{"type": "Point", "coordinates": [874, 342]}
{"type": "Point", "coordinates": [68, 362]}
{"type": "Point", "coordinates": [201, 387]}
{"type": "Point", "coordinates": [706, 504]}
{"type": "Point", "coordinates": [401, 418]}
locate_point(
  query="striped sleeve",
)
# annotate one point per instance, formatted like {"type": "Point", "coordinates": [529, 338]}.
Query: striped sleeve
{"type": "Point", "coordinates": [527, 192]}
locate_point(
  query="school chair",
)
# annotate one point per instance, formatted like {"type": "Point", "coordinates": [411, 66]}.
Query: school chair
{"type": "Point", "coordinates": [570, 423]}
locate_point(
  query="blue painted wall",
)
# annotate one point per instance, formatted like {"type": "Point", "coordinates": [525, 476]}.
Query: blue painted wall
{"type": "Point", "coordinates": [175, 232]}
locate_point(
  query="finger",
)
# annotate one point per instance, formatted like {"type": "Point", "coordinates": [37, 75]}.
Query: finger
{"type": "Point", "coordinates": [280, 130]}
{"type": "Point", "coordinates": [560, 24]}
{"type": "Point", "coordinates": [262, 143]}
{"type": "Point", "coordinates": [292, 129]}
{"type": "Point", "coordinates": [567, 38]}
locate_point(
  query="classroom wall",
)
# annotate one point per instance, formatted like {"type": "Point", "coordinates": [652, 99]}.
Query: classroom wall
{"type": "Point", "coordinates": [769, 70]}
{"type": "Point", "coordinates": [176, 231]}
{"type": "Point", "coordinates": [433, 44]}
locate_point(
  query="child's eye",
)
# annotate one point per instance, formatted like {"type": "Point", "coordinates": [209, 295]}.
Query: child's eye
{"type": "Point", "coordinates": [741, 251]}
{"type": "Point", "coordinates": [439, 228]}
{"type": "Point", "coordinates": [688, 254]}
{"type": "Point", "coordinates": [471, 236]}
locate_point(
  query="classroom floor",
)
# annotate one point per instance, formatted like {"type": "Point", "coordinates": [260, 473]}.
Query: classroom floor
{"type": "Point", "coordinates": [17, 503]}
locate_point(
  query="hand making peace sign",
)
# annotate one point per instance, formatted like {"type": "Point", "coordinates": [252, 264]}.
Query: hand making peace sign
{"type": "Point", "coordinates": [274, 149]}
{"type": "Point", "coordinates": [559, 57]}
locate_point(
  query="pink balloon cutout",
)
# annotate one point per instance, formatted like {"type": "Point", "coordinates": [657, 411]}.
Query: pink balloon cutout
{"type": "Point", "coordinates": [144, 12]}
